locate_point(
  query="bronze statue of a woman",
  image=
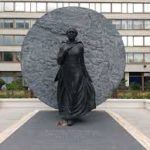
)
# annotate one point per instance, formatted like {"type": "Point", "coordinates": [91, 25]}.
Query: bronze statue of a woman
{"type": "Point", "coordinates": [75, 92]}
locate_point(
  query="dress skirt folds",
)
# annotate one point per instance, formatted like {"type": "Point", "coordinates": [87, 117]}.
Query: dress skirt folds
{"type": "Point", "coordinates": [75, 92]}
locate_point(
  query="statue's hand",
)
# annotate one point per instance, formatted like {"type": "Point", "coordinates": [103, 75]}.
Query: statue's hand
{"type": "Point", "coordinates": [67, 48]}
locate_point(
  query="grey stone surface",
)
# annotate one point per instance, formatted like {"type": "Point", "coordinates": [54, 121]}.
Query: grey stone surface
{"type": "Point", "coordinates": [104, 51]}
{"type": "Point", "coordinates": [96, 131]}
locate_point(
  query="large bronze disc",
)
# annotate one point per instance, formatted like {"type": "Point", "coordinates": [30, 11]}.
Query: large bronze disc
{"type": "Point", "coordinates": [104, 52]}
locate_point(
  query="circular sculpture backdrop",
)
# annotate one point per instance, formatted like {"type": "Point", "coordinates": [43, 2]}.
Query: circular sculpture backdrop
{"type": "Point", "coordinates": [104, 52]}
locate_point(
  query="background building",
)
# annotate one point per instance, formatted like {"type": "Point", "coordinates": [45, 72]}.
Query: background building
{"type": "Point", "coordinates": [131, 17]}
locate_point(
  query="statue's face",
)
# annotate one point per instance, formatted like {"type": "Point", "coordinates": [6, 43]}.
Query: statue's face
{"type": "Point", "coordinates": [71, 35]}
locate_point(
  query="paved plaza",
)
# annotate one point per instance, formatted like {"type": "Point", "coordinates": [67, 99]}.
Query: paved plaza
{"type": "Point", "coordinates": [97, 130]}
{"type": "Point", "coordinates": [140, 118]}
{"type": "Point", "coordinates": [137, 117]}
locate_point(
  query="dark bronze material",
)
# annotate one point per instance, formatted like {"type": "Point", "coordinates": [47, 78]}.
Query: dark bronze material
{"type": "Point", "coordinates": [75, 92]}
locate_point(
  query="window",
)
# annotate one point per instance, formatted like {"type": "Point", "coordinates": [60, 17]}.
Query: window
{"type": "Point", "coordinates": [138, 57]}
{"type": "Point", "coordinates": [8, 23]}
{"type": "Point", "coordinates": [19, 6]}
{"type": "Point", "coordinates": [92, 6]}
{"type": "Point", "coordinates": [124, 24]}
{"type": "Point", "coordinates": [137, 24]}
{"type": "Point", "coordinates": [74, 4]}
{"type": "Point", "coordinates": [9, 6]}
{"type": "Point", "coordinates": [130, 8]}
{"type": "Point", "coordinates": [116, 7]}
{"type": "Point", "coordinates": [1, 56]}
{"type": "Point", "coordinates": [85, 5]}
{"type": "Point", "coordinates": [19, 39]}
{"type": "Point", "coordinates": [147, 24]}
{"type": "Point", "coordinates": [124, 38]}
{"type": "Point", "coordinates": [1, 23]}
{"type": "Point", "coordinates": [129, 57]}
{"type": "Point", "coordinates": [8, 40]}
{"type": "Point", "coordinates": [130, 40]}
{"type": "Point", "coordinates": [98, 7]}
{"type": "Point", "coordinates": [7, 78]}
{"type": "Point", "coordinates": [147, 41]}
{"type": "Point", "coordinates": [59, 5]}
{"type": "Point", "coordinates": [41, 7]}
{"type": "Point", "coordinates": [1, 40]}
{"type": "Point", "coordinates": [124, 8]}
{"type": "Point", "coordinates": [138, 41]}
{"type": "Point", "coordinates": [15, 23]}
{"type": "Point", "coordinates": [147, 8]}
{"type": "Point", "coordinates": [51, 6]}
{"type": "Point", "coordinates": [117, 23]}
{"type": "Point", "coordinates": [66, 4]}
{"type": "Point", "coordinates": [22, 24]}
{"type": "Point", "coordinates": [27, 24]}
{"type": "Point", "coordinates": [19, 24]}
{"type": "Point", "coordinates": [106, 7]}
{"type": "Point", "coordinates": [8, 56]}
{"type": "Point", "coordinates": [11, 40]}
{"type": "Point", "coordinates": [33, 7]}
{"type": "Point", "coordinates": [27, 7]}
{"type": "Point", "coordinates": [126, 58]}
{"type": "Point", "coordinates": [32, 22]}
{"type": "Point", "coordinates": [130, 24]}
{"type": "Point", "coordinates": [138, 8]}
{"type": "Point", "coordinates": [1, 6]}
{"type": "Point", "coordinates": [18, 56]}
{"type": "Point", "coordinates": [147, 57]}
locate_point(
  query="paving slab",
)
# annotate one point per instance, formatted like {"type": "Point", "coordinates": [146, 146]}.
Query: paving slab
{"type": "Point", "coordinates": [97, 131]}
{"type": "Point", "coordinates": [140, 118]}
{"type": "Point", "coordinates": [10, 116]}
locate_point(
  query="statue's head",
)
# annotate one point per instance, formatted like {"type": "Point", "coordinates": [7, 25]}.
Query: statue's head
{"type": "Point", "coordinates": [71, 34]}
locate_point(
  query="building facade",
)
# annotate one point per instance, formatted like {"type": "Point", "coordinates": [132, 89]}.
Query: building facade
{"type": "Point", "coordinates": [131, 17]}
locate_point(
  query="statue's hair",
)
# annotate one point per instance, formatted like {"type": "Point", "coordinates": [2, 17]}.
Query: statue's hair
{"type": "Point", "coordinates": [72, 29]}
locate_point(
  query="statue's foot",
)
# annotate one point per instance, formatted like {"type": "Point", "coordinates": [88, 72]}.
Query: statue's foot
{"type": "Point", "coordinates": [78, 120]}
{"type": "Point", "coordinates": [62, 123]}
{"type": "Point", "coordinates": [70, 122]}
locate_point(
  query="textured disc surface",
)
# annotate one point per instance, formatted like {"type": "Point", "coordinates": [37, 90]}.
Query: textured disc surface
{"type": "Point", "coordinates": [104, 52]}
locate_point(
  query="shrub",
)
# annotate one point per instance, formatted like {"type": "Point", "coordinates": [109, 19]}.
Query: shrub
{"type": "Point", "coordinates": [2, 82]}
{"type": "Point", "coordinates": [147, 85]}
{"type": "Point", "coordinates": [134, 86]}
{"type": "Point", "coordinates": [147, 95]}
{"type": "Point", "coordinates": [15, 85]}
{"type": "Point", "coordinates": [122, 85]}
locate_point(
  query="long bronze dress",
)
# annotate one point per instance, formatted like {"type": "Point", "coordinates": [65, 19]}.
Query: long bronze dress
{"type": "Point", "coordinates": [75, 92]}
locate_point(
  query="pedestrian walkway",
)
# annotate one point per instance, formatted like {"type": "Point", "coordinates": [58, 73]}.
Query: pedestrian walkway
{"type": "Point", "coordinates": [139, 118]}
{"type": "Point", "coordinates": [10, 116]}
{"type": "Point", "coordinates": [97, 130]}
